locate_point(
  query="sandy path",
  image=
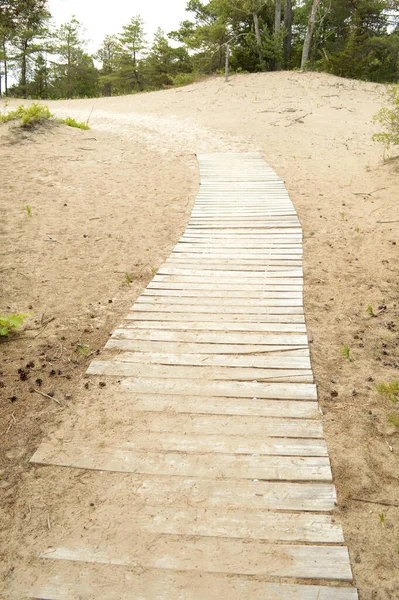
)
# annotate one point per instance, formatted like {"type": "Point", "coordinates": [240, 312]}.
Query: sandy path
{"type": "Point", "coordinates": [315, 130]}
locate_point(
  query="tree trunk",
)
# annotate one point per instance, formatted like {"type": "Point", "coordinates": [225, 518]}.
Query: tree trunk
{"type": "Point", "coordinates": [259, 41]}
{"type": "Point", "coordinates": [23, 68]}
{"type": "Point", "coordinates": [277, 27]}
{"type": "Point", "coordinates": [277, 17]}
{"type": "Point", "coordinates": [309, 33]}
{"type": "Point", "coordinates": [5, 68]}
{"type": "Point", "coordinates": [288, 32]}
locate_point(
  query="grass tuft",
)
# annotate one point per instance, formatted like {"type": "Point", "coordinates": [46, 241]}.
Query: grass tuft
{"type": "Point", "coordinates": [27, 115]}
{"type": "Point", "coordinates": [73, 123]}
{"type": "Point", "coordinates": [389, 390]}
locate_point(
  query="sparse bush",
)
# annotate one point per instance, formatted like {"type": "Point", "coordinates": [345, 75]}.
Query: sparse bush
{"type": "Point", "coordinates": [10, 323]}
{"type": "Point", "coordinates": [389, 119]}
{"type": "Point", "coordinates": [389, 390]}
{"type": "Point", "coordinates": [27, 115]}
{"type": "Point", "coordinates": [184, 79]}
{"type": "Point", "coordinates": [73, 123]}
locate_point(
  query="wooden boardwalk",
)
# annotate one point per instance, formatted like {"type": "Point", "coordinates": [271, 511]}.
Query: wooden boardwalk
{"type": "Point", "coordinates": [214, 357]}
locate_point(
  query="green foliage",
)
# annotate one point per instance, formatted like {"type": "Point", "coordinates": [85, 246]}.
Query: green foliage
{"type": "Point", "coordinates": [10, 323]}
{"type": "Point", "coordinates": [346, 353]}
{"type": "Point", "coordinates": [28, 210]}
{"type": "Point", "coordinates": [389, 119]}
{"type": "Point", "coordinates": [382, 519]}
{"type": "Point", "coordinates": [82, 349]}
{"type": "Point", "coordinates": [370, 311]}
{"type": "Point", "coordinates": [182, 79]}
{"type": "Point", "coordinates": [389, 390]}
{"type": "Point", "coordinates": [72, 123]}
{"type": "Point", "coordinates": [27, 115]}
{"type": "Point", "coordinates": [128, 279]}
{"type": "Point", "coordinates": [393, 420]}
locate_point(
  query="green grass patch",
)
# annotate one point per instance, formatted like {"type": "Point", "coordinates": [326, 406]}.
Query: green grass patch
{"type": "Point", "coordinates": [29, 115]}
{"type": "Point", "coordinates": [389, 390]}
{"type": "Point", "coordinates": [10, 323]}
{"type": "Point", "coordinates": [73, 123]}
{"type": "Point", "coordinates": [394, 420]}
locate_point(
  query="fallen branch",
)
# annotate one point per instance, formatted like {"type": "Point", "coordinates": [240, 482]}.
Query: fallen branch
{"type": "Point", "coordinates": [368, 193]}
{"type": "Point", "coordinates": [47, 396]}
{"type": "Point", "coordinates": [380, 502]}
{"type": "Point", "coordinates": [299, 119]}
{"type": "Point", "coordinates": [397, 221]}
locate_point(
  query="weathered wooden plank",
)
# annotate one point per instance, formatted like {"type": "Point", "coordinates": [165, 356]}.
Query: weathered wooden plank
{"type": "Point", "coordinates": [214, 302]}
{"type": "Point", "coordinates": [122, 339]}
{"type": "Point", "coordinates": [218, 360]}
{"type": "Point", "coordinates": [223, 406]}
{"type": "Point", "coordinates": [192, 293]}
{"type": "Point", "coordinates": [260, 283]}
{"type": "Point", "coordinates": [218, 555]}
{"type": "Point", "coordinates": [218, 317]}
{"type": "Point", "coordinates": [219, 337]}
{"type": "Point", "coordinates": [238, 389]}
{"type": "Point", "coordinates": [248, 276]}
{"type": "Point", "coordinates": [102, 457]}
{"type": "Point", "coordinates": [217, 326]}
{"type": "Point", "coordinates": [88, 581]}
{"type": "Point", "coordinates": [122, 367]}
{"type": "Point", "coordinates": [225, 287]}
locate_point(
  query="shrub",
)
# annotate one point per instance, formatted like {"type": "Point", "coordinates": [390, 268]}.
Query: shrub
{"type": "Point", "coordinates": [389, 119]}
{"type": "Point", "coordinates": [184, 79]}
{"type": "Point", "coordinates": [73, 123]}
{"type": "Point", "coordinates": [27, 115]}
{"type": "Point", "coordinates": [10, 323]}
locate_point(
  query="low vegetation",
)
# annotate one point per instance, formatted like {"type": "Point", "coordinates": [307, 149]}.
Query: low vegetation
{"type": "Point", "coordinates": [388, 118]}
{"type": "Point", "coordinates": [34, 114]}
{"type": "Point", "coordinates": [389, 390]}
{"type": "Point", "coordinates": [10, 323]}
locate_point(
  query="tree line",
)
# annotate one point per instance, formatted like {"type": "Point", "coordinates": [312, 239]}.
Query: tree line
{"type": "Point", "coordinates": [350, 38]}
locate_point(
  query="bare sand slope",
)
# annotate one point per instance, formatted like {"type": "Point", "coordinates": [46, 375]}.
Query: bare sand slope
{"type": "Point", "coordinates": [315, 131]}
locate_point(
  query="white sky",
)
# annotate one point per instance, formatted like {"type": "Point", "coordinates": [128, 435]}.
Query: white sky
{"type": "Point", "coordinates": [102, 17]}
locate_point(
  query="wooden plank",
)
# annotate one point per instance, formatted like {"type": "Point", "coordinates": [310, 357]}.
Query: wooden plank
{"type": "Point", "coordinates": [214, 302]}
{"type": "Point", "coordinates": [217, 326]}
{"type": "Point", "coordinates": [237, 389]}
{"type": "Point", "coordinates": [219, 337]}
{"type": "Point", "coordinates": [258, 275]}
{"type": "Point", "coordinates": [218, 317]}
{"type": "Point", "coordinates": [214, 311]}
{"type": "Point", "coordinates": [266, 281]}
{"type": "Point", "coordinates": [223, 406]}
{"type": "Point", "coordinates": [225, 287]}
{"type": "Point", "coordinates": [192, 293]}
{"type": "Point", "coordinates": [122, 367]}
{"type": "Point", "coordinates": [121, 339]}
{"type": "Point", "coordinates": [102, 457]}
{"type": "Point", "coordinates": [66, 580]}
{"type": "Point", "coordinates": [260, 525]}
{"type": "Point", "coordinates": [218, 360]}
{"type": "Point", "coordinates": [218, 555]}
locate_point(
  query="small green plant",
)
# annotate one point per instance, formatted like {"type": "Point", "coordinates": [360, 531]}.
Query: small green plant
{"type": "Point", "coordinates": [128, 279]}
{"type": "Point", "coordinates": [357, 229]}
{"type": "Point", "coordinates": [27, 115]}
{"type": "Point", "coordinates": [394, 420]}
{"type": "Point", "coordinates": [182, 79]}
{"type": "Point", "coordinates": [370, 311]}
{"type": "Point", "coordinates": [82, 349]}
{"type": "Point", "coordinates": [343, 216]}
{"type": "Point", "coordinates": [73, 123]}
{"type": "Point", "coordinates": [389, 390]}
{"type": "Point", "coordinates": [382, 519]}
{"type": "Point", "coordinates": [28, 210]}
{"type": "Point", "coordinates": [389, 119]}
{"type": "Point", "coordinates": [346, 353]}
{"type": "Point", "coordinates": [10, 323]}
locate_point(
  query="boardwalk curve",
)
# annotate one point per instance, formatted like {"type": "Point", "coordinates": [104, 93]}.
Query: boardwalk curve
{"type": "Point", "coordinates": [215, 354]}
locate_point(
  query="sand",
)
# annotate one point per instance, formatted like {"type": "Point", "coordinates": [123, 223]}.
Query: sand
{"type": "Point", "coordinates": [115, 199]}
